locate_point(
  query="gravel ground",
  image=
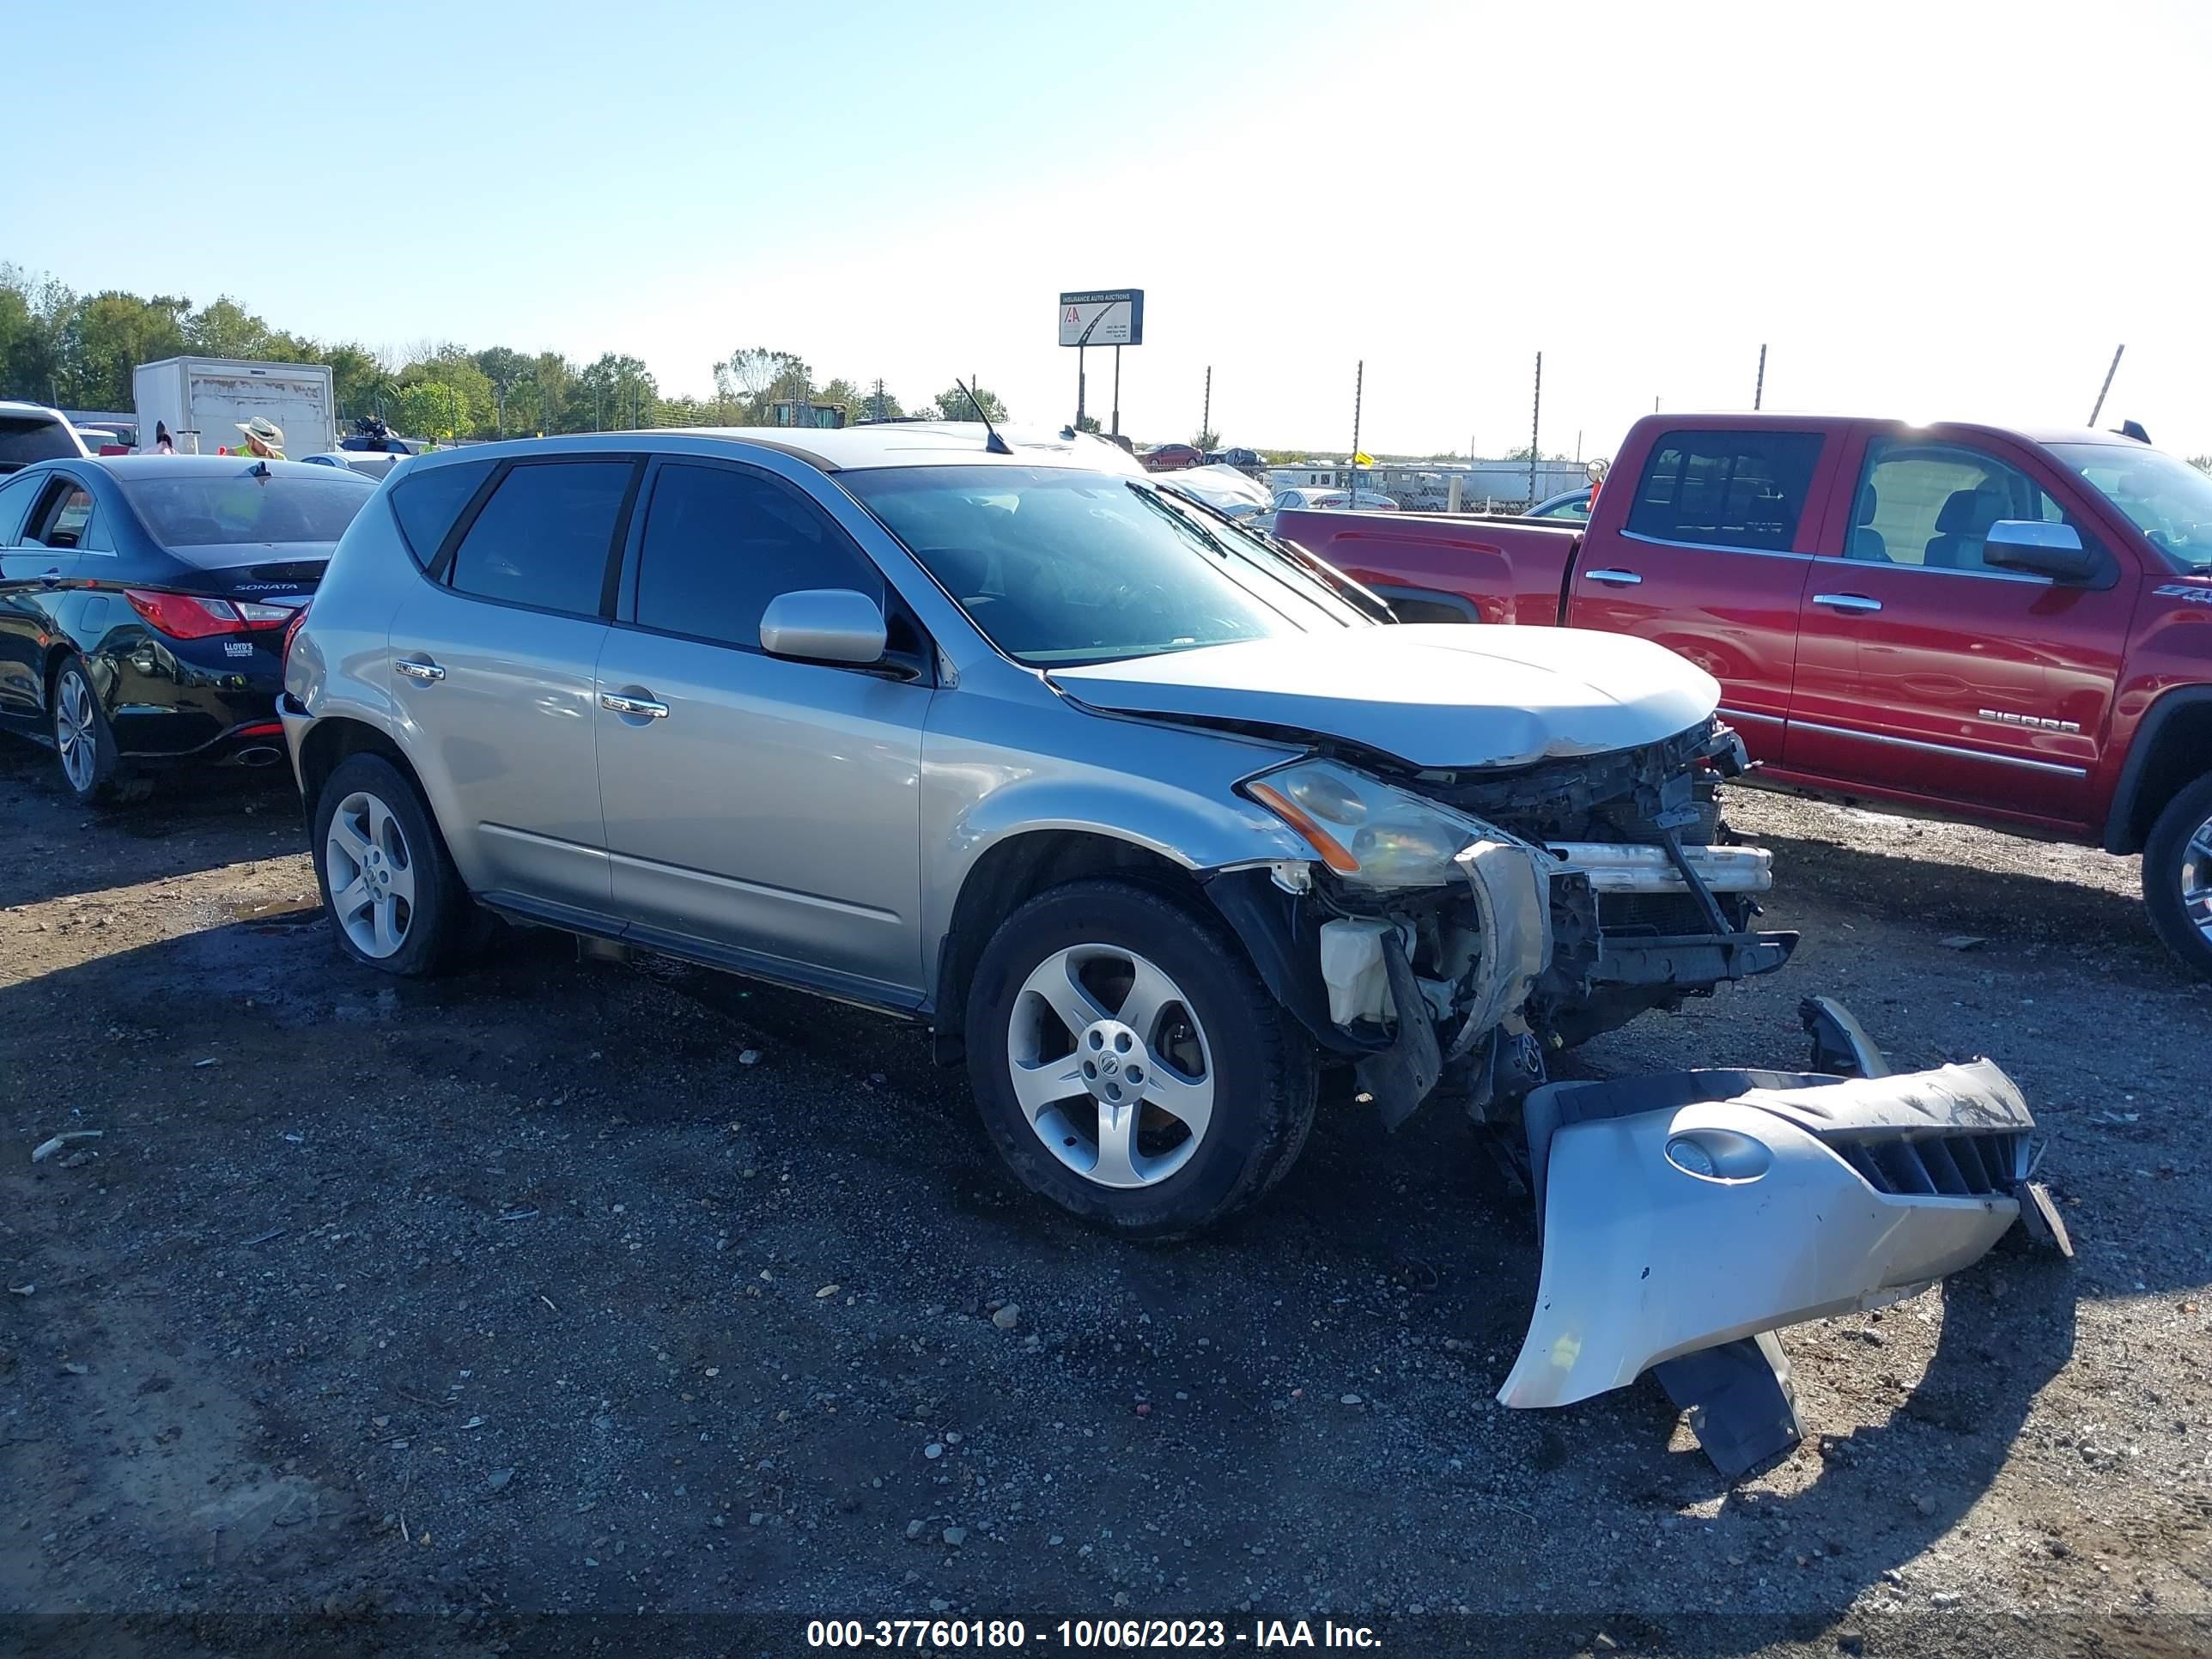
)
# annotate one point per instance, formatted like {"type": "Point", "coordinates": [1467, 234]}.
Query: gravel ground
{"type": "Point", "coordinates": [569, 1287]}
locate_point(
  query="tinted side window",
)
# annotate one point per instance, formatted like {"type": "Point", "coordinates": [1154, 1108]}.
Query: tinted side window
{"type": "Point", "coordinates": [720, 543]}
{"type": "Point", "coordinates": [63, 517]}
{"type": "Point", "coordinates": [544, 537]}
{"type": "Point", "coordinates": [1932, 505]}
{"type": "Point", "coordinates": [1728, 488]}
{"type": "Point", "coordinates": [15, 501]}
{"type": "Point", "coordinates": [426, 504]}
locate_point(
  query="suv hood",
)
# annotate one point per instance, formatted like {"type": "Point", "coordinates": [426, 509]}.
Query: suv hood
{"type": "Point", "coordinates": [1431, 694]}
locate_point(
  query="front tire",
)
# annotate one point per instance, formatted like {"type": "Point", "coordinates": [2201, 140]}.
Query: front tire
{"type": "Point", "coordinates": [1130, 1065]}
{"type": "Point", "coordinates": [395, 901]}
{"type": "Point", "coordinates": [2177, 875]}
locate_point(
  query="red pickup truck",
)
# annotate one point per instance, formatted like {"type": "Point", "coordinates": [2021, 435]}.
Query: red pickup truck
{"type": "Point", "coordinates": [1961, 621]}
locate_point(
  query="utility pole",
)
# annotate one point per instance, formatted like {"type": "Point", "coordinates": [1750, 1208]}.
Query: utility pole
{"type": "Point", "coordinates": [1536, 428]}
{"type": "Point", "coordinates": [1205, 417]}
{"type": "Point", "coordinates": [1359, 385]}
{"type": "Point", "coordinates": [2107, 386]}
{"type": "Point", "coordinates": [1117, 392]}
{"type": "Point", "coordinates": [1758, 391]}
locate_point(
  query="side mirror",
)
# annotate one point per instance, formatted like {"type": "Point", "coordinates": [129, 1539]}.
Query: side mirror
{"type": "Point", "coordinates": [1596, 471]}
{"type": "Point", "coordinates": [2038, 549]}
{"type": "Point", "coordinates": [823, 625]}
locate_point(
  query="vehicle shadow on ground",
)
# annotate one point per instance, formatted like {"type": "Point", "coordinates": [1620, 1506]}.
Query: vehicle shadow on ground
{"type": "Point", "coordinates": [2005, 907]}
{"type": "Point", "coordinates": [194, 820]}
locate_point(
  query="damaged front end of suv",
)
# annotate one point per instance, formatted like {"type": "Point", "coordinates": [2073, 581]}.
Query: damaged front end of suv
{"type": "Point", "coordinates": [1457, 926]}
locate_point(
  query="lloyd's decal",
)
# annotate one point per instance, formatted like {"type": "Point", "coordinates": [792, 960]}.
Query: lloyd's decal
{"type": "Point", "coordinates": [2182, 591]}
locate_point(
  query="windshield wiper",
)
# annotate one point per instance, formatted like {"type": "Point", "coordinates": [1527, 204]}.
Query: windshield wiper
{"type": "Point", "coordinates": [1364, 599]}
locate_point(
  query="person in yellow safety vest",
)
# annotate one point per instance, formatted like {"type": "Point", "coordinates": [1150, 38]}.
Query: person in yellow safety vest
{"type": "Point", "coordinates": [264, 438]}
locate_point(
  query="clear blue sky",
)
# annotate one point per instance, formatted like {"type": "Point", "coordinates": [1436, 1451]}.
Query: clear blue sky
{"type": "Point", "coordinates": [1931, 210]}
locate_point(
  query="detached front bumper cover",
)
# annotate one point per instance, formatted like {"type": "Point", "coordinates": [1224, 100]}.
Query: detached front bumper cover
{"type": "Point", "coordinates": [1686, 1212]}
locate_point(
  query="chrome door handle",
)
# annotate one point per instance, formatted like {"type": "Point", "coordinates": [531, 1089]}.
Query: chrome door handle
{"type": "Point", "coordinates": [1853, 602]}
{"type": "Point", "coordinates": [1613, 578]}
{"type": "Point", "coordinates": [425, 671]}
{"type": "Point", "coordinates": [51, 578]}
{"type": "Point", "coordinates": [614, 701]}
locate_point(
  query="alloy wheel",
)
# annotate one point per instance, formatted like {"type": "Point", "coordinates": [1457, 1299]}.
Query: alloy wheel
{"type": "Point", "coordinates": [2197, 879]}
{"type": "Point", "coordinates": [1112, 1069]}
{"type": "Point", "coordinates": [76, 732]}
{"type": "Point", "coordinates": [371, 872]}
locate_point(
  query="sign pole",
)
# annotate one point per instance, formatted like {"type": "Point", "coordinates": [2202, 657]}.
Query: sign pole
{"type": "Point", "coordinates": [1205, 419]}
{"type": "Point", "coordinates": [1758, 391]}
{"type": "Point", "coordinates": [1079, 350]}
{"type": "Point", "coordinates": [1117, 392]}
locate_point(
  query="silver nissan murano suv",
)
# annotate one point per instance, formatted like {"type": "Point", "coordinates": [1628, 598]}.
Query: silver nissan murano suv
{"type": "Point", "coordinates": [1155, 820]}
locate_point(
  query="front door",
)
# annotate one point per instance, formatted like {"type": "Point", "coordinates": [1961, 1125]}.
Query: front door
{"type": "Point", "coordinates": [763, 808]}
{"type": "Point", "coordinates": [1709, 565]}
{"type": "Point", "coordinates": [54, 512]}
{"type": "Point", "coordinates": [1928, 673]}
{"type": "Point", "coordinates": [492, 664]}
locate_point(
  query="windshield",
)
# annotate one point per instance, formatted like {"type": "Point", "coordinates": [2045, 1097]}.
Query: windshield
{"type": "Point", "coordinates": [2168, 500]}
{"type": "Point", "coordinates": [1059, 567]}
{"type": "Point", "coordinates": [209, 509]}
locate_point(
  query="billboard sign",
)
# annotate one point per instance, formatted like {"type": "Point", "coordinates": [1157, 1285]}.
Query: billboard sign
{"type": "Point", "coordinates": [1103, 317]}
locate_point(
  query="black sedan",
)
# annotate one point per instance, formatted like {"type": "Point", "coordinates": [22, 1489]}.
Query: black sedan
{"type": "Point", "coordinates": [144, 601]}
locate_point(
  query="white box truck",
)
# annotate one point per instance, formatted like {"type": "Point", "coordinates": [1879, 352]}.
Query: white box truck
{"type": "Point", "coordinates": [203, 400]}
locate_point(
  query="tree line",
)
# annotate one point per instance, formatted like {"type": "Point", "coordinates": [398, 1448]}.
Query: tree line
{"type": "Point", "coordinates": [75, 351]}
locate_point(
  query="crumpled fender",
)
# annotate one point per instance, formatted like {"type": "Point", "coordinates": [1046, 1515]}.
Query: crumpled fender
{"type": "Point", "coordinates": [1645, 1259]}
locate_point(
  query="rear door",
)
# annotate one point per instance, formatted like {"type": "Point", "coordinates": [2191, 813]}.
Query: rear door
{"type": "Point", "coordinates": [1711, 560]}
{"type": "Point", "coordinates": [18, 579]}
{"type": "Point", "coordinates": [765, 807]}
{"type": "Point", "coordinates": [1926, 671]}
{"type": "Point", "coordinates": [492, 661]}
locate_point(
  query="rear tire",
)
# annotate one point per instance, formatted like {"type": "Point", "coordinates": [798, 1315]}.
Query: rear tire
{"type": "Point", "coordinates": [400, 906]}
{"type": "Point", "coordinates": [85, 749]}
{"type": "Point", "coordinates": [1129, 1063]}
{"type": "Point", "coordinates": [2177, 875]}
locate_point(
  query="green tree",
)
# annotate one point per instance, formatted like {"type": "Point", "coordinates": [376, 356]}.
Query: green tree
{"type": "Point", "coordinates": [1206, 440]}
{"type": "Point", "coordinates": [110, 334]}
{"type": "Point", "coordinates": [358, 380]}
{"type": "Point", "coordinates": [615, 394]}
{"type": "Point", "coordinates": [227, 329]}
{"type": "Point", "coordinates": [1089, 423]}
{"type": "Point", "coordinates": [503, 368]}
{"type": "Point", "coordinates": [954, 404]}
{"type": "Point", "coordinates": [551, 378]}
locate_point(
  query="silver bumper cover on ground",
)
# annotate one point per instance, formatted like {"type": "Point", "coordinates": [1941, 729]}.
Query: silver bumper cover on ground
{"type": "Point", "coordinates": [1689, 1212]}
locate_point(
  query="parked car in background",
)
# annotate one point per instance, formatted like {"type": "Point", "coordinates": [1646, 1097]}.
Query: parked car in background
{"type": "Point", "coordinates": [1308, 498]}
{"type": "Point", "coordinates": [32, 432]}
{"type": "Point", "coordinates": [1244, 461]}
{"type": "Point", "coordinates": [1149, 819]}
{"type": "Point", "coordinates": [1170, 458]}
{"type": "Point", "coordinates": [2011, 627]}
{"type": "Point", "coordinates": [1225, 490]}
{"type": "Point", "coordinates": [1571, 507]}
{"type": "Point", "coordinates": [370, 464]}
{"type": "Point", "coordinates": [141, 602]}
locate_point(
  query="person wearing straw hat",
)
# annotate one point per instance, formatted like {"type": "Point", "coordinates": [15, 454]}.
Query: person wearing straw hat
{"type": "Point", "coordinates": [264, 438]}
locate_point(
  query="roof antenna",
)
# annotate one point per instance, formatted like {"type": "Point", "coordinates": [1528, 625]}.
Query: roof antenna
{"type": "Point", "coordinates": [992, 443]}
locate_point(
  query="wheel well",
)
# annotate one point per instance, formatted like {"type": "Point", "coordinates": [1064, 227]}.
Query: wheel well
{"type": "Point", "coordinates": [2177, 760]}
{"type": "Point", "coordinates": [330, 743]}
{"type": "Point", "coordinates": [1008, 876]}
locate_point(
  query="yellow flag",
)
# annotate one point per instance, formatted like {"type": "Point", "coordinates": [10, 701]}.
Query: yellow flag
{"type": "Point", "coordinates": [1362, 459]}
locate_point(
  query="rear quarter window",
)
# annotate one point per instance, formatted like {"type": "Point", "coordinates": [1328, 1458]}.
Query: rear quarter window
{"type": "Point", "coordinates": [426, 504]}
{"type": "Point", "coordinates": [1726, 488]}
{"type": "Point", "coordinates": [16, 499]}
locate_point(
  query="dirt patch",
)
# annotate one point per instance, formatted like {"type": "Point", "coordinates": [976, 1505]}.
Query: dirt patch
{"type": "Point", "coordinates": [519, 1293]}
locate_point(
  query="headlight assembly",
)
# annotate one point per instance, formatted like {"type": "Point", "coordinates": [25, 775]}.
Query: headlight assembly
{"type": "Point", "coordinates": [1366, 830]}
